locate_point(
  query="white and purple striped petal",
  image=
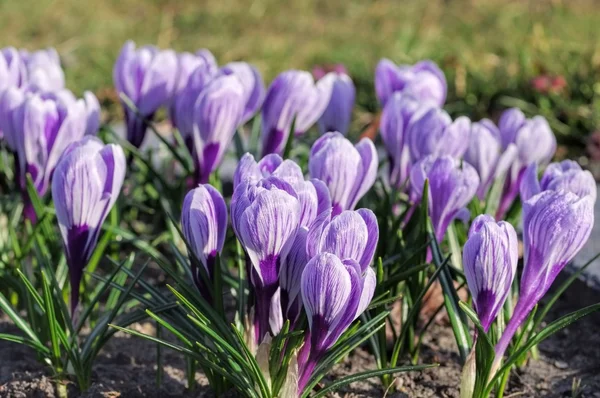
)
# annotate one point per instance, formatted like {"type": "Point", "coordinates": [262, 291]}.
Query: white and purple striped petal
{"type": "Point", "coordinates": [252, 82]}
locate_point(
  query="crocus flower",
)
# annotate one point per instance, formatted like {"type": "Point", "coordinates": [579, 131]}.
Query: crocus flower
{"type": "Point", "coordinates": [92, 106]}
{"type": "Point", "coordinates": [485, 153]}
{"type": "Point", "coordinates": [348, 171]}
{"type": "Point", "coordinates": [423, 80]}
{"type": "Point", "coordinates": [289, 276]}
{"type": "Point", "coordinates": [148, 77]}
{"type": "Point", "coordinates": [398, 113]}
{"type": "Point", "coordinates": [338, 113]}
{"type": "Point", "coordinates": [42, 126]}
{"type": "Point", "coordinates": [252, 82]}
{"type": "Point", "coordinates": [12, 68]}
{"type": "Point", "coordinates": [534, 143]}
{"type": "Point", "coordinates": [188, 65]}
{"type": "Point", "coordinates": [218, 112]}
{"type": "Point", "coordinates": [85, 186]}
{"type": "Point", "coordinates": [566, 175]}
{"type": "Point", "coordinates": [451, 188]}
{"type": "Point", "coordinates": [334, 292]}
{"type": "Point", "coordinates": [490, 259]}
{"type": "Point", "coordinates": [266, 219]}
{"type": "Point", "coordinates": [434, 133]}
{"type": "Point", "coordinates": [44, 72]}
{"type": "Point", "coordinates": [313, 194]}
{"type": "Point", "coordinates": [349, 235]}
{"type": "Point", "coordinates": [204, 225]}
{"type": "Point", "coordinates": [292, 97]}
{"type": "Point", "coordinates": [556, 225]}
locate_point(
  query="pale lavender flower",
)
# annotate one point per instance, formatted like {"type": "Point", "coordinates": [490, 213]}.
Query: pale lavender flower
{"type": "Point", "coordinates": [423, 80]}
{"type": "Point", "coordinates": [85, 186]}
{"type": "Point", "coordinates": [451, 188]}
{"type": "Point", "coordinates": [348, 171]}
{"type": "Point", "coordinates": [266, 219]}
{"type": "Point", "coordinates": [13, 71]}
{"type": "Point", "coordinates": [490, 259]}
{"type": "Point", "coordinates": [338, 114]}
{"type": "Point", "coordinates": [292, 97]}
{"type": "Point", "coordinates": [44, 72]}
{"type": "Point", "coordinates": [485, 153]}
{"type": "Point", "coordinates": [218, 112]}
{"type": "Point", "coordinates": [534, 143]}
{"type": "Point", "coordinates": [334, 292]}
{"type": "Point", "coordinates": [396, 117]}
{"type": "Point", "coordinates": [434, 133]}
{"type": "Point", "coordinates": [556, 225]}
{"type": "Point", "coordinates": [252, 82]}
{"type": "Point", "coordinates": [148, 77]}
{"type": "Point", "coordinates": [566, 175]}
{"type": "Point", "coordinates": [204, 225]}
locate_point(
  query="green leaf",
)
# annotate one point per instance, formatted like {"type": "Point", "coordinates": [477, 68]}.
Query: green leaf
{"type": "Point", "coordinates": [51, 319]}
{"type": "Point", "coordinates": [367, 375]}
{"type": "Point", "coordinates": [484, 352]}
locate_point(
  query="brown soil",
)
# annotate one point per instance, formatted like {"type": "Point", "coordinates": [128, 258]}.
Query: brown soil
{"type": "Point", "coordinates": [127, 366]}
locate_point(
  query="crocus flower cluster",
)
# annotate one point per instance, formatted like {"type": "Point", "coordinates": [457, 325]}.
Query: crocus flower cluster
{"type": "Point", "coordinates": [86, 183]}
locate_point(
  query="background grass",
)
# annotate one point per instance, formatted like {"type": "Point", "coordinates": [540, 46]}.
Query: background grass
{"type": "Point", "coordinates": [489, 50]}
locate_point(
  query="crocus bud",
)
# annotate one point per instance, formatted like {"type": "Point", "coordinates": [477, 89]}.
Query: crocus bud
{"type": "Point", "coordinates": [266, 219]}
{"type": "Point", "coordinates": [217, 114]}
{"type": "Point", "coordinates": [350, 235]}
{"type": "Point", "coordinates": [252, 82]}
{"type": "Point", "coordinates": [251, 171]}
{"type": "Point", "coordinates": [292, 97]}
{"type": "Point", "coordinates": [556, 225]}
{"type": "Point", "coordinates": [434, 133]}
{"type": "Point", "coordinates": [451, 188]}
{"type": "Point", "coordinates": [397, 115]}
{"type": "Point", "coordinates": [334, 293]}
{"type": "Point", "coordinates": [348, 171]}
{"type": "Point", "coordinates": [92, 110]}
{"type": "Point", "coordinates": [44, 72]}
{"type": "Point", "coordinates": [12, 68]}
{"type": "Point", "coordinates": [485, 153]}
{"type": "Point", "coordinates": [566, 175]}
{"type": "Point", "coordinates": [423, 80]}
{"type": "Point", "coordinates": [490, 259]}
{"type": "Point", "coordinates": [204, 225]}
{"type": "Point", "coordinates": [182, 108]}
{"type": "Point", "coordinates": [534, 143]}
{"type": "Point", "coordinates": [42, 128]}
{"type": "Point", "coordinates": [148, 77]}
{"type": "Point", "coordinates": [85, 186]}
{"type": "Point", "coordinates": [187, 63]}
{"type": "Point", "coordinates": [10, 100]}
{"type": "Point", "coordinates": [338, 114]}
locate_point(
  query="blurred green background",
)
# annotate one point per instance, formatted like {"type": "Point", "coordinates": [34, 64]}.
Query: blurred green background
{"type": "Point", "coordinates": [543, 56]}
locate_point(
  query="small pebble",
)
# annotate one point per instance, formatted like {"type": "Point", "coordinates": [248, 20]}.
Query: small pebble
{"type": "Point", "coordinates": [561, 364]}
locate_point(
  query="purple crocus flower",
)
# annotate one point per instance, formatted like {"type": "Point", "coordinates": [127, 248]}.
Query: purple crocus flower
{"type": "Point", "coordinates": [348, 171]}
{"type": "Point", "coordinates": [204, 225]}
{"type": "Point", "coordinates": [293, 95]}
{"type": "Point", "coordinates": [42, 126]}
{"type": "Point", "coordinates": [338, 113]}
{"type": "Point", "coordinates": [534, 143]}
{"type": "Point", "coordinates": [193, 72]}
{"type": "Point", "coordinates": [90, 102]}
{"type": "Point", "coordinates": [313, 194]}
{"type": "Point", "coordinates": [566, 175]}
{"type": "Point", "coordinates": [423, 80]}
{"type": "Point", "coordinates": [556, 225]}
{"type": "Point", "coordinates": [148, 77]}
{"type": "Point", "coordinates": [290, 273]}
{"type": "Point", "coordinates": [218, 112]}
{"type": "Point", "coordinates": [266, 219]}
{"type": "Point", "coordinates": [485, 153]}
{"type": "Point", "coordinates": [44, 72]}
{"type": "Point", "coordinates": [85, 186]}
{"type": "Point", "coordinates": [349, 235]}
{"type": "Point", "coordinates": [334, 292]}
{"type": "Point", "coordinates": [434, 133]}
{"type": "Point", "coordinates": [252, 82]}
{"type": "Point", "coordinates": [12, 68]}
{"type": "Point", "coordinates": [10, 100]}
{"type": "Point", "coordinates": [451, 188]}
{"type": "Point", "coordinates": [396, 117]}
{"type": "Point", "coordinates": [490, 259]}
